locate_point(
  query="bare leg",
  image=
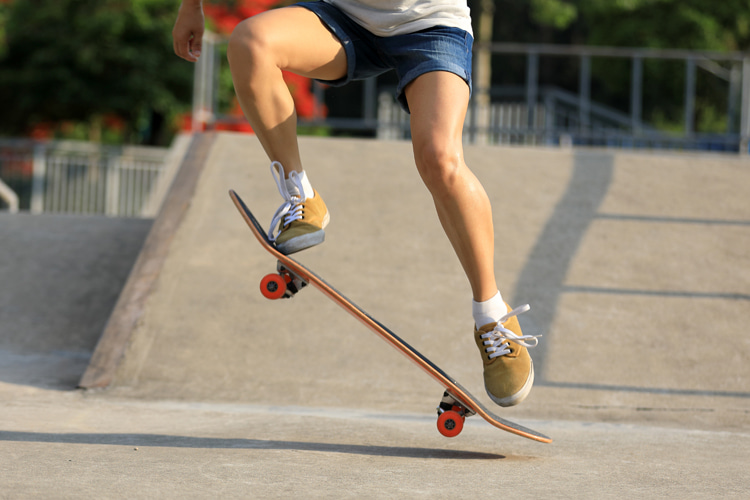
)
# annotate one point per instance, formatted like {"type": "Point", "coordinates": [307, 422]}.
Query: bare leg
{"type": "Point", "coordinates": [291, 39]}
{"type": "Point", "coordinates": [438, 102]}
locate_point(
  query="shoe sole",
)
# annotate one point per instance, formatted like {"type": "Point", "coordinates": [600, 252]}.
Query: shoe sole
{"type": "Point", "coordinates": [302, 242]}
{"type": "Point", "coordinates": [517, 397]}
{"type": "Point", "coordinates": [305, 241]}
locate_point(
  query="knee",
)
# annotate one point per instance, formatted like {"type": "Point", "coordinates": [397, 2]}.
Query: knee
{"type": "Point", "coordinates": [439, 166]}
{"type": "Point", "coordinates": [248, 43]}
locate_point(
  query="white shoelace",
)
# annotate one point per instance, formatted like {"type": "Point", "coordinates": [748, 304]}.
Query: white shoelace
{"type": "Point", "coordinates": [498, 340]}
{"type": "Point", "coordinates": [291, 209]}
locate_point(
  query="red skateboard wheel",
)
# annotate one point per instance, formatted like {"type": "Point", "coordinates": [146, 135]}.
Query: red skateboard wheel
{"type": "Point", "coordinates": [450, 423]}
{"type": "Point", "coordinates": [273, 286]}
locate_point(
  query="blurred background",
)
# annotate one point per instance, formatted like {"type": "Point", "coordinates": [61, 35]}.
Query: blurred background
{"type": "Point", "coordinates": [92, 95]}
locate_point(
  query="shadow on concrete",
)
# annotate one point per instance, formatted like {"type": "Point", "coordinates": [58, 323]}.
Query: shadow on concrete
{"type": "Point", "coordinates": [160, 440]}
{"type": "Point", "coordinates": [542, 279]}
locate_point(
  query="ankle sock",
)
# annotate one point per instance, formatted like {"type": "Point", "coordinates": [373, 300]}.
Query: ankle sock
{"type": "Point", "coordinates": [291, 185]}
{"type": "Point", "coordinates": [488, 311]}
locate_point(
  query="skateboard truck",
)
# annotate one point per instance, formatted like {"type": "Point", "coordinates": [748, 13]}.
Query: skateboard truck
{"type": "Point", "coordinates": [451, 415]}
{"type": "Point", "coordinates": [283, 284]}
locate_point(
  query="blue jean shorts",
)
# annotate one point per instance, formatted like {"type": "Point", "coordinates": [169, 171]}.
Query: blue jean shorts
{"type": "Point", "coordinates": [410, 55]}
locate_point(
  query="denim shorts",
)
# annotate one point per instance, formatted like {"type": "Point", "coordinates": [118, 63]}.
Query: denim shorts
{"type": "Point", "coordinates": [411, 55]}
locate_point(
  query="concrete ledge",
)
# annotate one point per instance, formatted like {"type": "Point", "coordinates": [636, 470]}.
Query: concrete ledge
{"type": "Point", "coordinates": [116, 337]}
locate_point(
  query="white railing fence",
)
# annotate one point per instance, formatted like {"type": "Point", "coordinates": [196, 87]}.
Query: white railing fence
{"type": "Point", "coordinates": [83, 178]}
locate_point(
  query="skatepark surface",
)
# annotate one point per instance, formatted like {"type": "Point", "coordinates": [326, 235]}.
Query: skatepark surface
{"type": "Point", "coordinates": [636, 267]}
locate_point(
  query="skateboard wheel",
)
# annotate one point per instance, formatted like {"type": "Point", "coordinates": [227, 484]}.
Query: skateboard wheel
{"type": "Point", "coordinates": [450, 423]}
{"type": "Point", "coordinates": [273, 286]}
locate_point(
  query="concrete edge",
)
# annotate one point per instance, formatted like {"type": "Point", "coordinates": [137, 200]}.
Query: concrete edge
{"type": "Point", "coordinates": [129, 308]}
{"type": "Point", "coordinates": [175, 158]}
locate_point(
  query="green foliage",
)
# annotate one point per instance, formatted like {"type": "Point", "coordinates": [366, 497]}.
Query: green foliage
{"type": "Point", "coordinates": [225, 90]}
{"type": "Point", "coordinates": [689, 24]}
{"type": "Point", "coordinates": [3, 20]}
{"type": "Point", "coordinates": [555, 13]}
{"type": "Point", "coordinates": [81, 60]}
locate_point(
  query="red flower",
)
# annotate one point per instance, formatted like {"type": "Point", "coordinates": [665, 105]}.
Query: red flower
{"type": "Point", "coordinates": [42, 131]}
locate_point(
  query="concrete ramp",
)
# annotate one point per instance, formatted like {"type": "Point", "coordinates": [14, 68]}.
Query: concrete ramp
{"type": "Point", "coordinates": [636, 267]}
{"type": "Point", "coordinates": [60, 276]}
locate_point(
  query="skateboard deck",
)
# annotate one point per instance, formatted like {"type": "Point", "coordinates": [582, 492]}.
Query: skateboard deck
{"type": "Point", "coordinates": [457, 403]}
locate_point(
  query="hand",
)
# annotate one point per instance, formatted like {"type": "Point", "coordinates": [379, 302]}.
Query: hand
{"type": "Point", "coordinates": [187, 34]}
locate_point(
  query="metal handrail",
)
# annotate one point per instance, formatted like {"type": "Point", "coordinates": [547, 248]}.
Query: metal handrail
{"type": "Point", "coordinates": [602, 51]}
{"type": "Point", "coordinates": [9, 196]}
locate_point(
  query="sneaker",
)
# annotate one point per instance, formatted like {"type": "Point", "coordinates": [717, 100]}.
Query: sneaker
{"type": "Point", "coordinates": [508, 370]}
{"type": "Point", "coordinates": [299, 222]}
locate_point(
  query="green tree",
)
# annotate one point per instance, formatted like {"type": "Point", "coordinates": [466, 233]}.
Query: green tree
{"type": "Point", "coordinates": [84, 60]}
{"type": "Point", "coordinates": [688, 24]}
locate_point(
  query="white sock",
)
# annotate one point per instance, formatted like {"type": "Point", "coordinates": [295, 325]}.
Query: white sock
{"type": "Point", "coordinates": [488, 311]}
{"type": "Point", "coordinates": [302, 178]}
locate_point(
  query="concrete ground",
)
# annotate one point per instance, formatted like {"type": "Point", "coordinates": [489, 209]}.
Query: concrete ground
{"type": "Point", "coordinates": [636, 267]}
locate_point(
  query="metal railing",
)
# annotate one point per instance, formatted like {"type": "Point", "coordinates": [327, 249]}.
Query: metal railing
{"type": "Point", "coordinates": [8, 197]}
{"type": "Point", "coordinates": [555, 121]}
{"type": "Point", "coordinates": [572, 120]}
{"type": "Point", "coordinates": [732, 68]}
{"type": "Point", "coordinates": [82, 178]}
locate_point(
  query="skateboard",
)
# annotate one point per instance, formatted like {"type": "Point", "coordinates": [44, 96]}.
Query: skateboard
{"type": "Point", "coordinates": [457, 403]}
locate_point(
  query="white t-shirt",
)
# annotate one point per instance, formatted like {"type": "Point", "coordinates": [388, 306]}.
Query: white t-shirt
{"type": "Point", "coordinates": [396, 17]}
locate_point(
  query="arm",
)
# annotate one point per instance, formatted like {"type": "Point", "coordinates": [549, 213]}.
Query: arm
{"type": "Point", "coordinates": [187, 34]}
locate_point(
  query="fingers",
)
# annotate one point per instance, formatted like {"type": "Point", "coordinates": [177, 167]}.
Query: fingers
{"type": "Point", "coordinates": [181, 49]}
{"type": "Point", "coordinates": [196, 44]}
{"type": "Point", "coordinates": [187, 34]}
{"type": "Point", "coordinates": [187, 45]}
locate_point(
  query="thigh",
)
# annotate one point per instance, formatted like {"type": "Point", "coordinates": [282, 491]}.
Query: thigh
{"type": "Point", "coordinates": [297, 41]}
{"type": "Point", "coordinates": [438, 101]}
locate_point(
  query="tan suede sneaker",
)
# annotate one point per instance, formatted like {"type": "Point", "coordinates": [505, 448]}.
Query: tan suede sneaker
{"type": "Point", "coordinates": [303, 225]}
{"type": "Point", "coordinates": [508, 369]}
{"type": "Point", "coordinates": [299, 221]}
